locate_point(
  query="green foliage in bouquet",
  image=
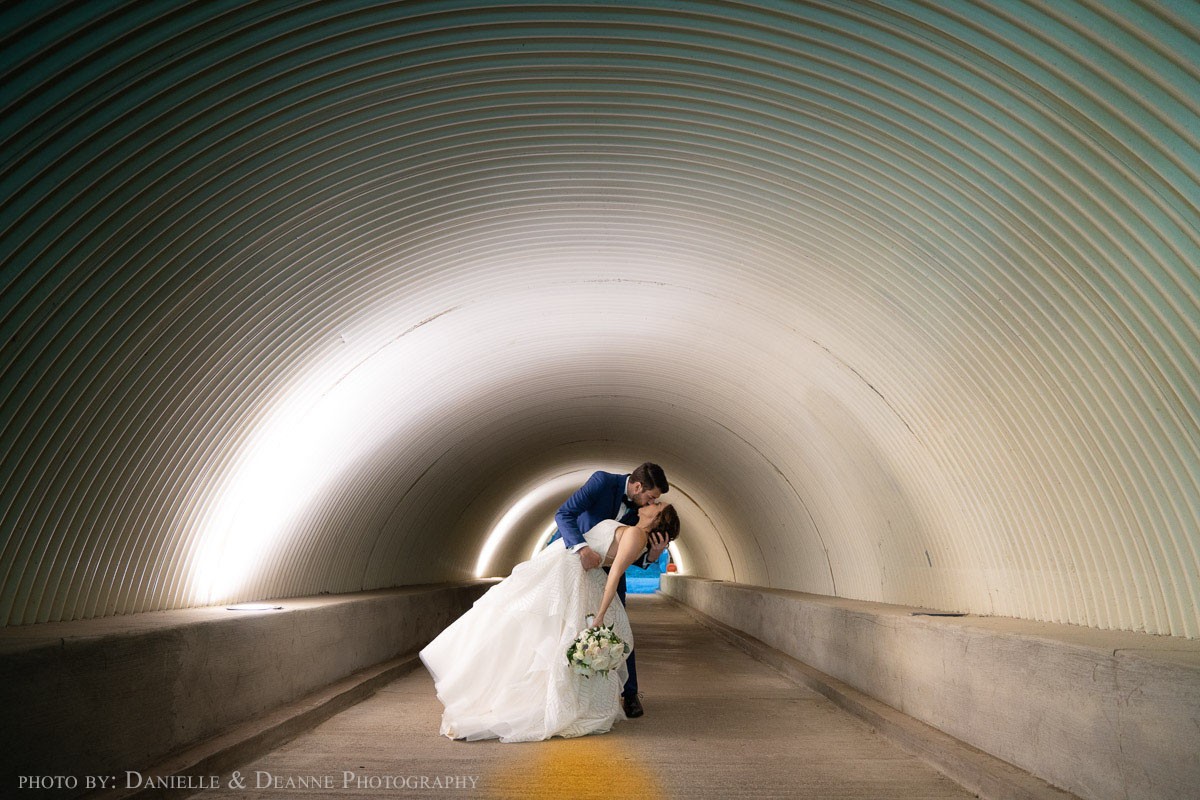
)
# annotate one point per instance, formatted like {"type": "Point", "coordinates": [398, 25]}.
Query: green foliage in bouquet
{"type": "Point", "coordinates": [595, 651]}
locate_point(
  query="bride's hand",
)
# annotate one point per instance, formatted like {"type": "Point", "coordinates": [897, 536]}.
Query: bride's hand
{"type": "Point", "coordinates": [597, 622]}
{"type": "Point", "coordinates": [658, 542]}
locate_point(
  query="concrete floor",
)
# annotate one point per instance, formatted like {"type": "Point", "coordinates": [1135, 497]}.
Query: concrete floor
{"type": "Point", "coordinates": [718, 724]}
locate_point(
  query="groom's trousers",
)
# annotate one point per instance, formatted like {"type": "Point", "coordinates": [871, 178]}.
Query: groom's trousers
{"type": "Point", "coordinates": [630, 689]}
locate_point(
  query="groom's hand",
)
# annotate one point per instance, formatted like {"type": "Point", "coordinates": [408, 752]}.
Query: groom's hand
{"type": "Point", "coordinates": [589, 558]}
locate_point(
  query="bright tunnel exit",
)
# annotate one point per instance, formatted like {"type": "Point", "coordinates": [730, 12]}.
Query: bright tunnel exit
{"type": "Point", "coordinates": [561, 485]}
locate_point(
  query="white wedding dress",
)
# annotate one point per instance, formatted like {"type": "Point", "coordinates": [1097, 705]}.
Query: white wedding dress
{"type": "Point", "coordinates": [501, 668]}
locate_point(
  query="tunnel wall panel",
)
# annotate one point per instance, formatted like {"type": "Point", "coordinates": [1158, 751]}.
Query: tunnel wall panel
{"type": "Point", "coordinates": [907, 292]}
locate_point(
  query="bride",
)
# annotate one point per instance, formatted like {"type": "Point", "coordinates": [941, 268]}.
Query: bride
{"type": "Point", "coordinates": [501, 669]}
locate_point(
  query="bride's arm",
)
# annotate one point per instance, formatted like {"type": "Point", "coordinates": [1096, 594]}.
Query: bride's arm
{"type": "Point", "coordinates": [633, 542]}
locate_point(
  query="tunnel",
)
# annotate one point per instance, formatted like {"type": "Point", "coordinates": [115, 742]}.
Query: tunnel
{"type": "Point", "coordinates": [313, 313]}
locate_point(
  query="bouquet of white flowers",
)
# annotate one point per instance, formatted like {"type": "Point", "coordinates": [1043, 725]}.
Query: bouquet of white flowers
{"type": "Point", "coordinates": [596, 650]}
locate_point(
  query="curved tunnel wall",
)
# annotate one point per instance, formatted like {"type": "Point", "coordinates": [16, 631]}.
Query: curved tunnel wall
{"type": "Point", "coordinates": [301, 297]}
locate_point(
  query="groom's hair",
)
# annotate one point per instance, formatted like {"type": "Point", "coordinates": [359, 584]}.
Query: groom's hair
{"type": "Point", "coordinates": [650, 476]}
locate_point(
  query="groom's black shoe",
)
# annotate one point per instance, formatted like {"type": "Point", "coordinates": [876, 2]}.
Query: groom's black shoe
{"type": "Point", "coordinates": [633, 706]}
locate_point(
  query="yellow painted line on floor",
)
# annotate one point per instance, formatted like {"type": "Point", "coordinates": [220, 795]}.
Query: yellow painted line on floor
{"type": "Point", "coordinates": [597, 767]}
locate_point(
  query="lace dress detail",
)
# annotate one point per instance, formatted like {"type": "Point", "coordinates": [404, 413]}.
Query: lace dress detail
{"type": "Point", "coordinates": [501, 669]}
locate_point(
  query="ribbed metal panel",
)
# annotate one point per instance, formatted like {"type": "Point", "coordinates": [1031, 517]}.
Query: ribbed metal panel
{"type": "Point", "coordinates": [302, 297]}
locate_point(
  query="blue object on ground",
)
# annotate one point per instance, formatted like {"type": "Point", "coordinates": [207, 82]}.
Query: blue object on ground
{"type": "Point", "coordinates": [646, 581]}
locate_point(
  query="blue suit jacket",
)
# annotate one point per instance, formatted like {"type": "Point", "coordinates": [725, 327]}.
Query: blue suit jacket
{"type": "Point", "coordinates": [598, 499]}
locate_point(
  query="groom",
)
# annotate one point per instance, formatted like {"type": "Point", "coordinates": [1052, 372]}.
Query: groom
{"type": "Point", "coordinates": [607, 495]}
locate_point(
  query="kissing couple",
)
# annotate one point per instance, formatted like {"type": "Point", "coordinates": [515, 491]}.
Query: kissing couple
{"type": "Point", "coordinates": [501, 669]}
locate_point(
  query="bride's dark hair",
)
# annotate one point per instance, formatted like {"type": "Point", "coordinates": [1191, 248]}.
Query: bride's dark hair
{"type": "Point", "coordinates": [667, 522]}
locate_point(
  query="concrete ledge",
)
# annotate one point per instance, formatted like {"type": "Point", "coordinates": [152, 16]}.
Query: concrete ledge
{"type": "Point", "coordinates": [256, 737]}
{"type": "Point", "coordinates": [1101, 714]}
{"type": "Point", "coordinates": [148, 691]}
{"type": "Point", "coordinates": [971, 768]}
